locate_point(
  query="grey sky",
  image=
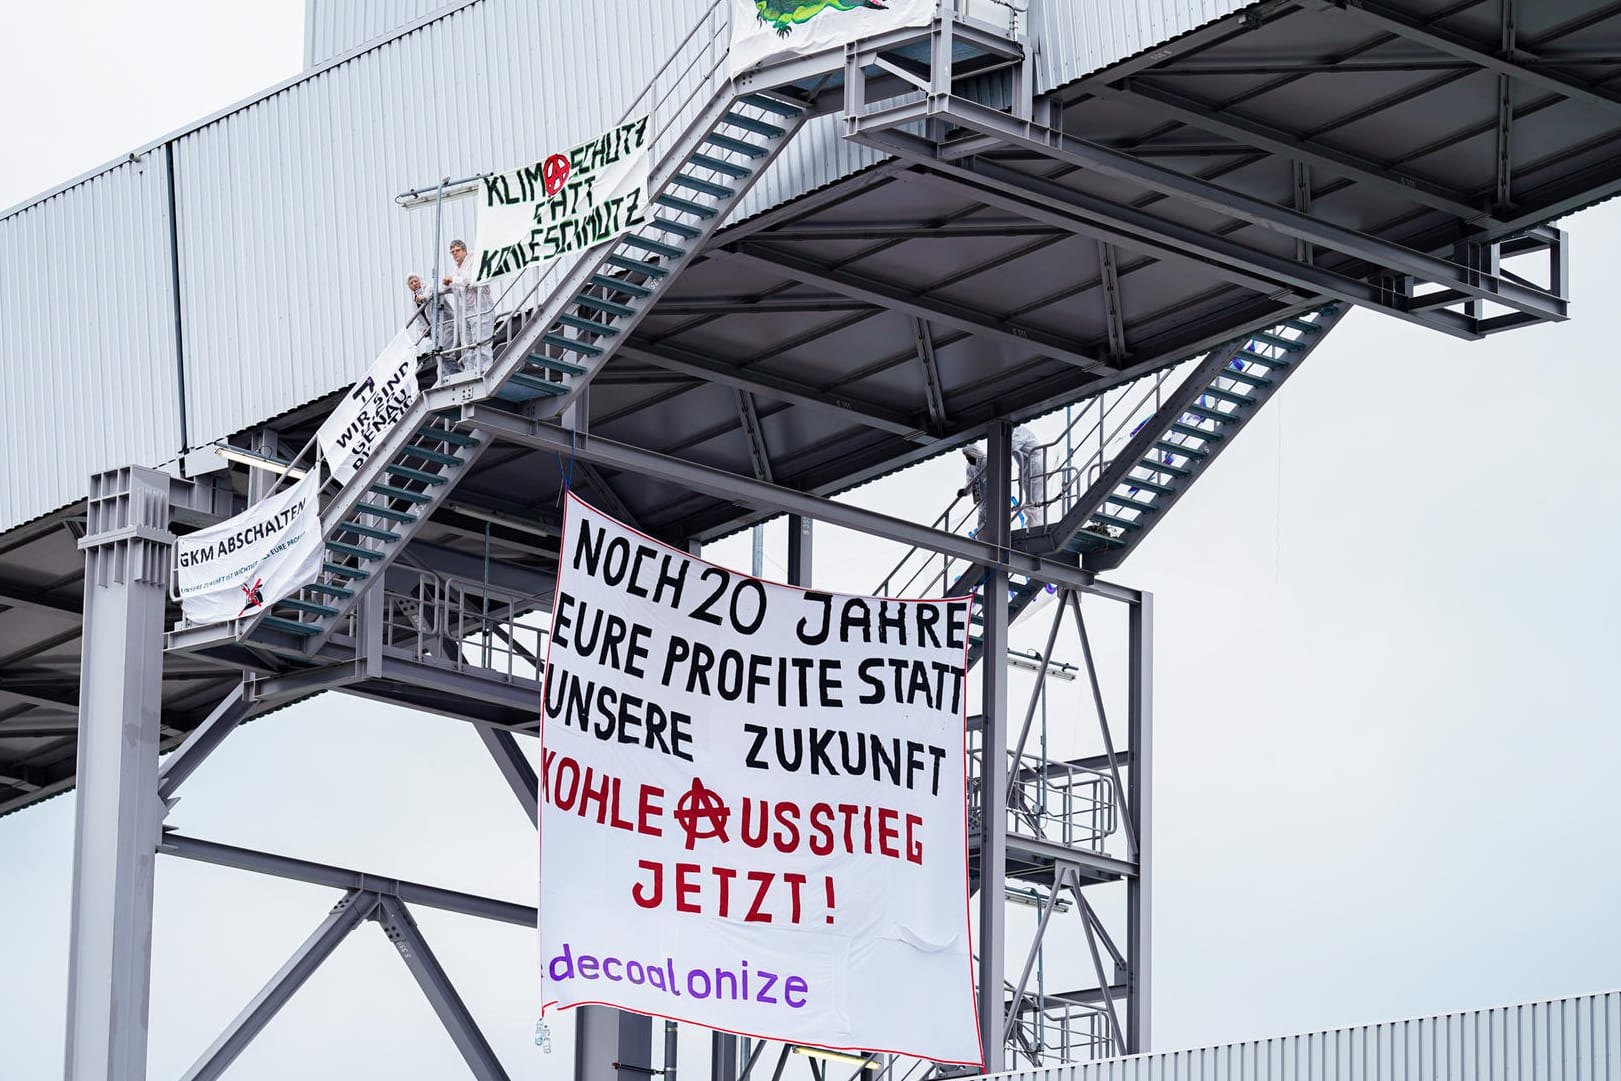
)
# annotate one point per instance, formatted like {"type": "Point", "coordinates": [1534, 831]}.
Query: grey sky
{"type": "Point", "coordinates": [1385, 733]}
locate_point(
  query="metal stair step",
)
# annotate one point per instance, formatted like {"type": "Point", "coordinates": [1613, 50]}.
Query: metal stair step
{"type": "Point", "coordinates": [429, 455]}
{"type": "Point", "coordinates": [726, 142]}
{"type": "Point", "coordinates": [291, 626]}
{"type": "Point", "coordinates": [625, 262]}
{"type": "Point", "coordinates": [1266, 338]}
{"type": "Point", "coordinates": [1257, 358]}
{"type": "Point", "coordinates": [345, 572]}
{"type": "Point", "coordinates": [354, 550]}
{"type": "Point", "coordinates": [330, 590]}
{"type": "Point", "coordinates": [565, 366]}
{"type": "Point", "coordinates": [619, 285]}
{"type": "Point", "coordinates": [609, 306]}
{"type": "Point", "coordinates": [1198, 433]}
{"type": "Point", "coordinates": [445, 436]}
{"type": "Point", "coordinates": [636, 240]}
{"type": "Point", "coordinates": [707, 187]}
{"type": "Point", "coordinates": [686, 206]}
{"type": "Point", "coordinates": [543, 386]}
{"type": "Point", "coordinates": [413, 474]}
{"type": "Point", "coordinates": [306, 606]}
{"type": "Point", "coordinates": [605, 329]}
{"type": "Point", "coordinates": [680, 228]}
{"type": "Point", "coordinates": [1245, 377]}
{"type": "Point", "coordinates": [1229, 396]}
{"type": "Point", "coordinates": [1147, 486]}
{"type": "Point", "coordinates": [1161, 467]}
{"type": "Point", "coordinates": [572, 344]}
{"type": "Point", "coordinates": [1302, 325]}
{"type": "Point", "coordinates": [401, 493]}
{"type": "Point", "coordinates": [385, 512]}
{"type": "Point", "coordinates": [781, 108]}
{"type": "Point", "coordinates": [1110, 519]}
{"type": "Point", "coordinates": [1085, 539]}
{"type": "Point", "coordinates": [730, 168]}
{"type": "Point", "coordinates": [1130, 504]}
{"type": "Point", "coordinates": [1210, 414]}
{"type": "Point", "coordinates": [356, 528]}
{"type": "Point", "coordinates": [1178, 448]}
{"type": "Point", "coordinates": [748, 123]}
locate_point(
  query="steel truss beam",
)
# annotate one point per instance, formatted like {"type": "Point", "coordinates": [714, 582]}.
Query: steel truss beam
{"type": "Point", "coordinates": [321, 874]}
{"type": "Point", "coordinates": [1392, 259]}
{"type": "Point", "coordinates": [355, 907]}
{"type": "Point", "coordinates": [1207, 116]}
{"type": "Point", "coordinates": [749, 420]}
{"type": "Point", "coordinates": [515, 768]}
{"type": "Point", "coordinates": [918, 305]}
{"type": "Point", "coordinates": [933, 392]}
{"type": "Point", "coordinates": [402, 930]}
{"type": "Point", "coordinates": [685, 361]}
{"type": "Point", "coordinates": [1386, 18]}
{"type": "Point", "coordinates": [702, 478]}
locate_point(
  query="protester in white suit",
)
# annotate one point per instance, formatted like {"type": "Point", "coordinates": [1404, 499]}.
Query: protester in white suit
{"type": "Point", "coordinates": [471, 300]}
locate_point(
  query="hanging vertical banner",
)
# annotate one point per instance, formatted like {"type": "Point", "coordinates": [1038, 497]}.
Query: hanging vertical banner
{"type": "Point", "coordinates": [252, 560]}
{"type": "Point", "coordinates": [373, 406]}
{"type": "Point", "coordinates": [753, 809]}
{"type": "Point", "coordinates": [765, 30]}
{"type": "Point", "coordinates": [565, 202]}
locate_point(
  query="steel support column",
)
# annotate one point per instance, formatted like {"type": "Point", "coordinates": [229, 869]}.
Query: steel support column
{"type": "Point", "coordinates": [993, 778]}
{"type": "Point", "coordinates": [1139, 806]}
{"type": "Point", "coordinates": [799, 550]}
{"type": "Point", "coordinates": [612, 1045]}
{"type": "Point", "coordinates": [117, 819]}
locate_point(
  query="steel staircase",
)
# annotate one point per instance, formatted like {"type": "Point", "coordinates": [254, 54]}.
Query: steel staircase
{"type": "Point", "coordinates": [1195, 423]}
{"type": "Point", "coordinates": [1111, 492]}
{"type": "Point", "coordinates": [544, 353]}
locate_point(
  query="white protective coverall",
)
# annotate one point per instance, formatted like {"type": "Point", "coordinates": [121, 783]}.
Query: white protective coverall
{"type": "Point", "coordinates": [471, 300]}
{"type": "Point", "coordinates": [1032, 461]}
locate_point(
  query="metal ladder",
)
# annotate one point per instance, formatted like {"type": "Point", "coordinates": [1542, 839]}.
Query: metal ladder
{"type": "Point", "coordinates": [546, 354]}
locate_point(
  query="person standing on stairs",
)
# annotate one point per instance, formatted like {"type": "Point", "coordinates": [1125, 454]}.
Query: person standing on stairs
{"type": "Point", "coordinates": [1031, 458]}
{"type": "Point", "coordinates": [471, 300]}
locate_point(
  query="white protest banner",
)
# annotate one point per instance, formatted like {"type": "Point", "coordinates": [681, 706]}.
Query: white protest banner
{"type": "Point", "coordinates": [252, 560]}
{"type": "Point", "coordinates": [753, 807]}
{"type": "Point", "coordinates": [372, 407]}
{"type": "Point", "coordinates": [775, 29]}
{"type": "Point", "coordinates": [566, 202]}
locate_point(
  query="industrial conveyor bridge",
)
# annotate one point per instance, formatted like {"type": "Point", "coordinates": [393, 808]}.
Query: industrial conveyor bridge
{"type": "Point", "coordinates": [1155, 246]}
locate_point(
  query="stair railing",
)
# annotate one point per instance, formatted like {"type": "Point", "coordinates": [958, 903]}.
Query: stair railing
{"type": "Point", "coordinates": [669, 121]}
{"type": "Point", "coordinates": [924, 573]}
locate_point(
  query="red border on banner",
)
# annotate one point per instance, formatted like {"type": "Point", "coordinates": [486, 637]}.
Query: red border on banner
{"type": "Point", "coordinates": [569, 501]}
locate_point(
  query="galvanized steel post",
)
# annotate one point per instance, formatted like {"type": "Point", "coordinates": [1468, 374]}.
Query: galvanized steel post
{"type": "Point", "coordinates": [119, 814]}
{"type": "Point", "coordinates": [993, 794]}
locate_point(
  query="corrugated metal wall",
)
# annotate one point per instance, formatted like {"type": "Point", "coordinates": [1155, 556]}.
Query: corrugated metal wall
{"type": "Point", "coordinates": [334, 27]}
{"type": "Point", "coordinates": [1564, 1039]}
{"type": "Point", "coordinates": [292, 252]}
{"type": "Point", "coordinates": [1077, 37]}
{"type": "Point", "coordinates": [87, 337]}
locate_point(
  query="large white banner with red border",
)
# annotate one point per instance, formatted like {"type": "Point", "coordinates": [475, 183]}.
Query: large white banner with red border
{"type": "Point", "coordinates": [753, 811]}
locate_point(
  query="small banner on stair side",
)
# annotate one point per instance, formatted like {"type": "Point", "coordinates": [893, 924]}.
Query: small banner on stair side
{"type": "Point", "coordinates": [753, 802]}
{"type": "Point", "coordinates": [565, 202]}
{"type": "Point", "coordinates": [247, 563]}
{"type": "Point", "coordinates": [373, 406]}
{"type": "Point", "coordinates": [765, 30]}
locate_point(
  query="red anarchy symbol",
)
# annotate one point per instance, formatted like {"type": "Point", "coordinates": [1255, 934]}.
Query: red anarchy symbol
{"type": "Point", "coordinates": [697, 802]}
{"type": "Point", "coordinates": [554, 173]}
